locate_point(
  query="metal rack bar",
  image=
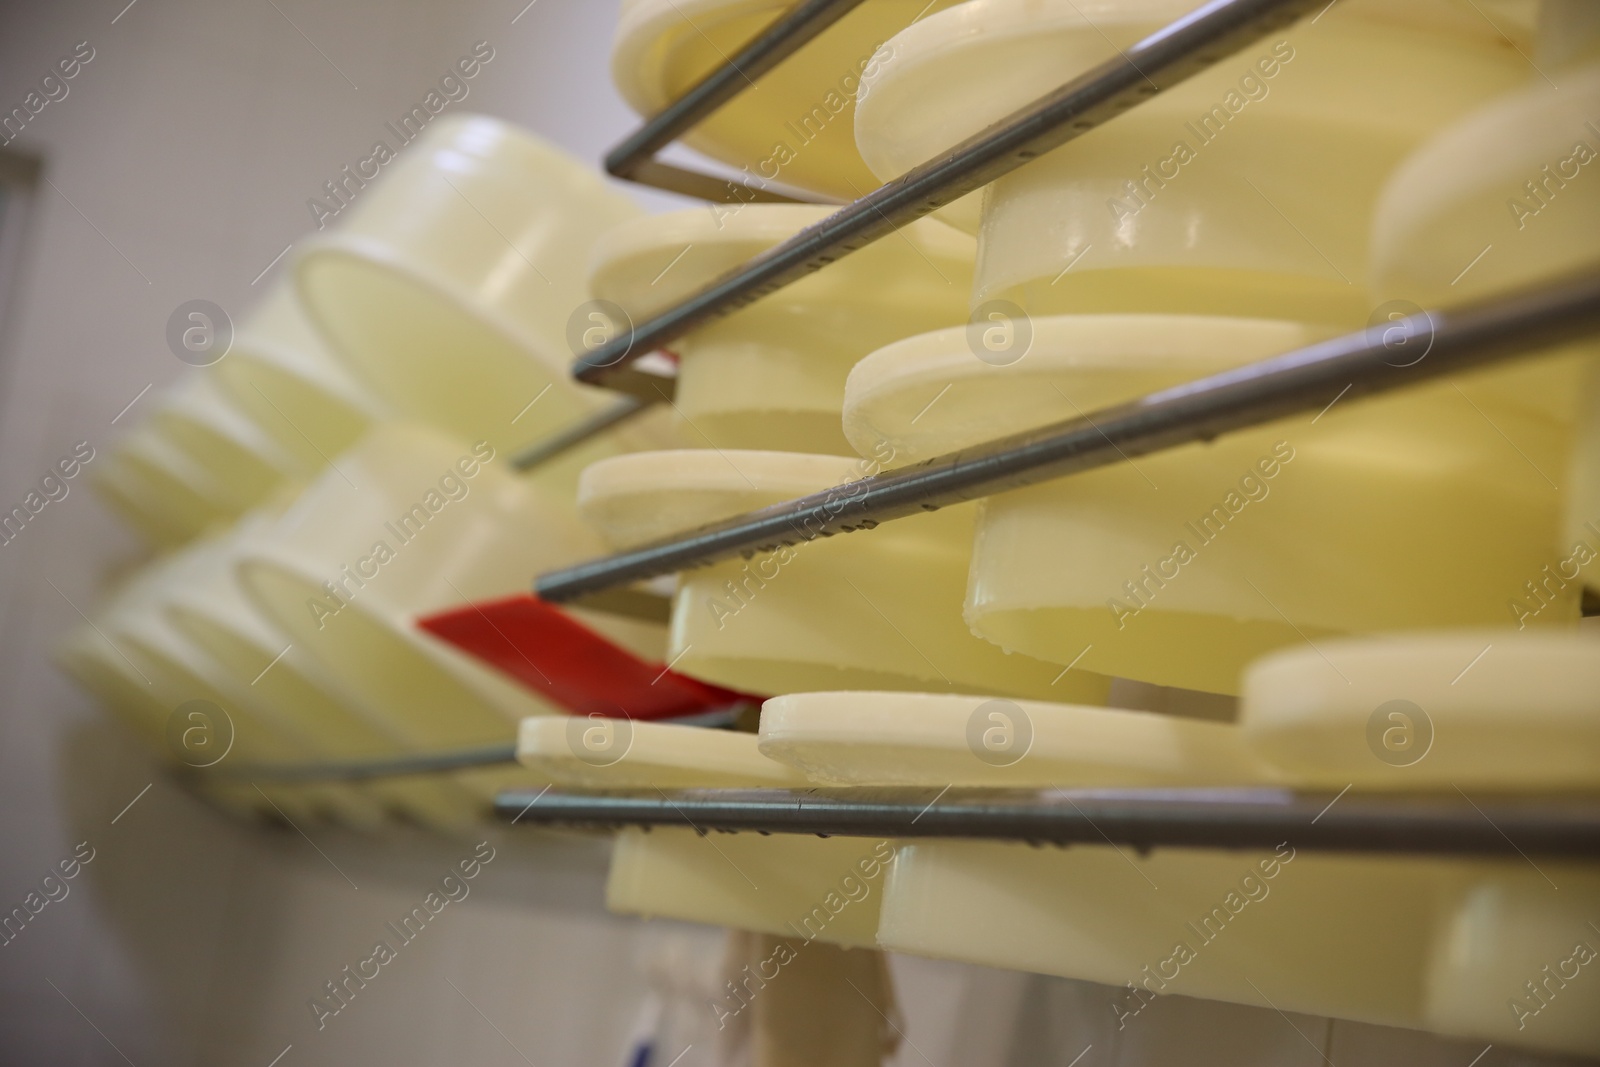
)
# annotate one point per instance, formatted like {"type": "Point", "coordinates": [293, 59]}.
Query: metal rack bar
{"type": "Point", "coordinates": [634, 158]}
{"type": "Point", "coordinates": [1303, 380]}
{"type": "Point", "coordinates": [1160, 61]}
{"type": "Point", "coordinates": [1449, 824]}
{"type": "Point", "coordinates": [541, 452]}
{"type": "Point", "coordinates": [359, 770]}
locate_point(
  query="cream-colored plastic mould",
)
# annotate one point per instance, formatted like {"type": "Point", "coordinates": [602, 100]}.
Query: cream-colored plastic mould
{"type": "Point", "coordinates": [448, 285]}
{"type": "Point", "coordinates": [281, 374]}
{"type": "Point", "coordinates": [1246, 190]}
{"type": "Point", "coordinates": [409, 522]}
{"type": "Point", "coordinates": [1491, 709]}
{"type": "Point", "coordinates": [877, 610]}
{"type": "Point", "coordinates": [1420, 943]}
{"type": "Point", "coordinates": [795, 126]}
{"type": "Point", "coordinates": [204, 602]}
{"type": "Point", "coordinates": [595, 752]}
{"type": "Point", "coordinates": [941, 740]}
{"type": "Point", "coordinates": [806, 887]}
{"type": "Point", "coordinates": [162, 493]}
{"type": "Point", "coordinates": [1505, 198]}
{"type": "Point", "coordinates": [1408, 511]}
{"type": "Point", "coordinates": [147, 670]}
{"type": "Point", "coordinates": [196, 462]}
{"type": "Point", "coordinates": [245, 464]}
{"type": "Point", "coordinates": [771, 375]}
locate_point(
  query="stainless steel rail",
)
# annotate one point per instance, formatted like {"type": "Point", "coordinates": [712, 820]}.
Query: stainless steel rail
{"type": "Point", "coordinates": [634, 158]}
{"type": "Point", "coordinates": [1490, 825]}
{"type": "Point", "coordinates": [1358, 364]}
{"type": "Point", "coordinates": [1164, 59]}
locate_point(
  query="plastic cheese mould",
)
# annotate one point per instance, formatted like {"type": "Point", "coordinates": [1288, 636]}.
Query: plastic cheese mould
{"type": "Point", "coordinates": [771, 376]}
{"type": "Point", "coordinates": [419, 290]}
{"type": "Point", "coordinates": [1453, 946]}
{"type": "Point", "coordinates": [1493, 709]}
{"type": "Point", "coordinates": [795, 127]}
{"type": "Point", "coordinates": [242, 458]}
{"type": "Point", "coordinates": [209, 608]}
{"type": "Point", "coordinates": [1506, 197]}
{"type": "Point", "coordinates": [1450, 945]}
{"type": "Point", "coordinates": [1246, 190]}
{"type": "Point", "coordinates": [880, 611]}
{"type": "Point", "coordinates": [1178, 568]}
{"type": "Point", "coordinates": [198, 460]}
{"type": "Point", "coordinates": [279, 371]}
{"type": "Point", "coordinates": [162, 493]}
{"type": "Point", "coordinates": [887, 739]}
{"type": "Point", "coordinates": [149, 671]}
{"type": "Point", "coordinates": [805, 888]}
{"type": "Point", "coordinates": [408, 522]}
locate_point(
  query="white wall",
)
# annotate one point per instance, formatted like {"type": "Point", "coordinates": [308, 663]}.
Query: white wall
{"type": "Point", "coordinates": [190, 144]}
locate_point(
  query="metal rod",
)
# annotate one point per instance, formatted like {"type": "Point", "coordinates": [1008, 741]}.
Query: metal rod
{"type": "Point", "coordinates": [563, 441]}
{"type": "Point", "coordinates": [634, 157]}
{"type": "Point", "coordinates": [425, 762]}
{"type": "Point", "coordinates": [1303, 380]}
{"type": "Point", "coordinates": [1157, 63]}
{"type": "Point", "coordinates": [1141, 818]}
{"type": "Point", "coordinates": [356, 770]}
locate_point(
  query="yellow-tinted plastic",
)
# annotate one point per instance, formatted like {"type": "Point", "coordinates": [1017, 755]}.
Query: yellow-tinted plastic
{"type": "Point", "coordinates": [1245, 190]}
{"type": "Point", "coordinates": [1491, 709]}
{"type": "Point", "coordinates": [281, 374]}
{"type": "Point", "coordinates": [808, 888]}
{"type": "Point", "coordinates": [1513, 961]}
{"type": "Point", "coordinates": [159, 490]}
{"type": "Point", "coordinates": [1507, 198]}
{"type": "Point", "coordinates": [794, 126]}
{"type": "Point", "coordinates": [601, 753]}
{"type": "Point", "coordinates": [870, 611]}
{"type": "Point", "coordinates": [1348, 937]}
{"type": "Point", "coordinates": [771, 375]}
{"type": "Point", "coordinates": [940, 740]}
{"type": "Point", "coordinates": [148, 670]}
{"type": "Point", "coordinates": [448, 284]}
{"type": "Point", "coordinates": [206, 605]}
{"type": "Point", "coordinates": [1410, 511]}
{"type": "Point", "coordinates": [406, 523]}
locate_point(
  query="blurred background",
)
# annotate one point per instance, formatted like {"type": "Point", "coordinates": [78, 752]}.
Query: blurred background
{"type": "Point", "coordinates": [178, 166]}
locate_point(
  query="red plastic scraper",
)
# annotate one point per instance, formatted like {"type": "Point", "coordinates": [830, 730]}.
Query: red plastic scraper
{"type": "Point", "coordinates": [570, 665]}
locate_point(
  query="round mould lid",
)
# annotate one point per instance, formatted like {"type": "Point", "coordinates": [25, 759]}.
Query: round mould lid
{"type": "Point", "coordinates": [875, 738]}
{"type": "Point", "coordinates": [645, 495]}
{"type": "Point", "coordinates": [1490, 709]}
{"type": "Point", "coordinates": [932, 394]}
{"type": "Point", "coordinates": [795, 127]}
{"type": "Point", "coordinates": [653, 262]}
{"type": "Point", "coordinates": [620, 753]}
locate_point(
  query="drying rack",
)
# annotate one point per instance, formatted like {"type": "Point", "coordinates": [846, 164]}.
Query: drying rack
{"type": "Point", "coordinates": [1506, 327]}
